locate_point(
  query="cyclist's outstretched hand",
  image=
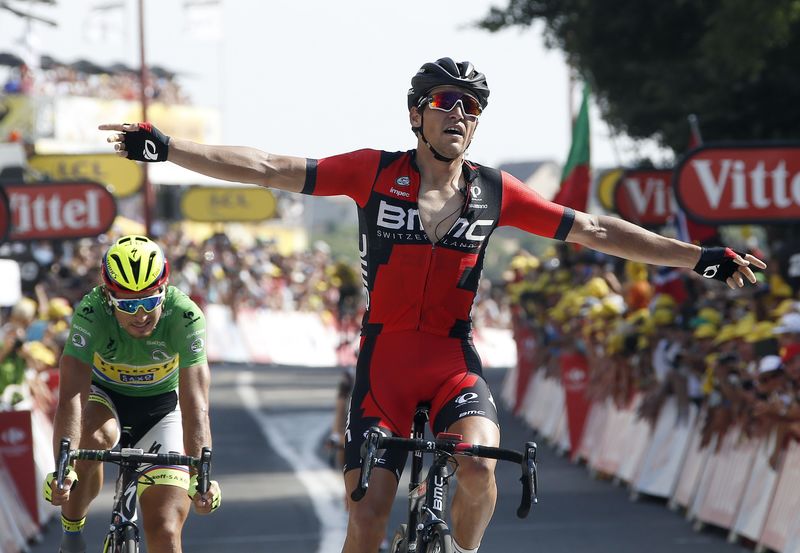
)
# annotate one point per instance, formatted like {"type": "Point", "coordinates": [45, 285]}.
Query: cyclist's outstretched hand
{"type": "Point", "coordinates": [728, 266]}
{"type": "Point", "coordinates": [207, 502]}
{"type": "Point", "coordinates": [138, 141]}
{"type": "Point", "coordinates": [55, 495]}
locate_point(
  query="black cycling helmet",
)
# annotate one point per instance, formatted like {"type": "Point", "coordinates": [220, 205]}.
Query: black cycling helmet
{"type": "Point", "coordinates": [445, 71]}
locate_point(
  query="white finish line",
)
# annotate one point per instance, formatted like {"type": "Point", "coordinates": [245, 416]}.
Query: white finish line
{"type": "Point", "coordinates": [295, 438]}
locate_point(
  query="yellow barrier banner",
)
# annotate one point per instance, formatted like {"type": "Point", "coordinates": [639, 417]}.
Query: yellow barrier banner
{"type": "Point", "coordinates": [227, 204]}
{"type": "Point", "coordinates": [17, 116]}
{"type": "Point", "coordinates": [122, 177]}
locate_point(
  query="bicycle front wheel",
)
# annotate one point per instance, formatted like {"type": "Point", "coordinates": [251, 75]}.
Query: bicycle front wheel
{"type": "Point", "coordinates": [440, 540]}
{"type": "Point", "coordinates": [400, 540]}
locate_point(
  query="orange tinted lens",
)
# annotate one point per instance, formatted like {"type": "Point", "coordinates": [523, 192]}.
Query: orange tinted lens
{"type": "Point", "coordinates": [447, 100]}
{"type": "Point", "coordinates": [471, 105]}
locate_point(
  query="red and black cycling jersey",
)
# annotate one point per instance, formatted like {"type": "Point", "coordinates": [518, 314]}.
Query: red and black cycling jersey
{"type": "Point", "coordinates": [412, 283]}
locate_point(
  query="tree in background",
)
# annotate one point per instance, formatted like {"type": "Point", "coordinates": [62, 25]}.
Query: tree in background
{"type": "Point", "coordinates": [652, 62]}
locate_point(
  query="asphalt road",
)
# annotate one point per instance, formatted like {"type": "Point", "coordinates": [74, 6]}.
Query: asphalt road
{"type": "Point", "coordinates": [279, 494]}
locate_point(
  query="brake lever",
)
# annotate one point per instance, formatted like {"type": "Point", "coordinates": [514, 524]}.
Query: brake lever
{"type": "Point", "coordinates": [369, 449]}
{"type": "Point", "coordinates": [529, 479]}
{"type": "Point", "coordinates": [204, 471]}
{"type": "Point", "coordinates": [63, 462]}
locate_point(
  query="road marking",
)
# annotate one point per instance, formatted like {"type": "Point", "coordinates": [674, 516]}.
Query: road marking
{"type": "Point", "coordinates": [295, 438]}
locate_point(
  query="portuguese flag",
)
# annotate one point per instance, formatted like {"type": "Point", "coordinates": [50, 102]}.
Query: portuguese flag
{"type": "Point", "coordinates": [574, 190]}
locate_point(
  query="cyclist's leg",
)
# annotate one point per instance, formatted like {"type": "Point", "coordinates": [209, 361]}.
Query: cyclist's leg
{"type": "Point", "coordinates": [164, 512]}
{"type": "Point", "coordinates": [366, 524]}
{"type": "Point", "coordinates": [99, 430]}
{"type": "Point", "coordinates": [377, 400]}
{"type": "Point", "coordinates": [476, 494]}
{"type": "Point", "coordinates": [163, 496]}
{"type": "Point", "coordinates": [465, 406]}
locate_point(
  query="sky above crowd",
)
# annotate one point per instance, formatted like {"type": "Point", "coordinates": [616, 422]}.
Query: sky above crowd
{"type": "Point", "coordinates": [314, 77]}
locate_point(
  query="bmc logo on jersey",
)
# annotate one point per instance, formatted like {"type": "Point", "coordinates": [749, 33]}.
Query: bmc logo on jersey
{"type": "Point", "coordinates": [398, 218]}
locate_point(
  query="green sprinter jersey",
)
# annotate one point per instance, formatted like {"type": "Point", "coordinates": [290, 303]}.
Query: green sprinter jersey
{"type": "Point", "coordinates": [138, 366]}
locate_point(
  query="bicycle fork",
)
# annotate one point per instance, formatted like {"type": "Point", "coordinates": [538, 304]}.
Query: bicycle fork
{"type": "Point", "coordinates": [427, 498]}
{"type": "Point", "coordinates": [125, 513]}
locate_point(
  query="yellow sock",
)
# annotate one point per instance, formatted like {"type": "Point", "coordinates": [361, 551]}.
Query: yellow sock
{"type": "Point", "coordinates": [72, 526]}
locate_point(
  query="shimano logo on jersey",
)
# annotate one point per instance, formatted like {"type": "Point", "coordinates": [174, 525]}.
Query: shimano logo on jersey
{"type": "Point", "coordinates": [78, 327]}
{"type": "Point", "coordinates": [150, 153]}
{"type": "Point", "coordinates": [469, 397]}
{"type": "Point", "coordinates": [403, 181]}
{"type": "Point", "coordinates": [401, 193]}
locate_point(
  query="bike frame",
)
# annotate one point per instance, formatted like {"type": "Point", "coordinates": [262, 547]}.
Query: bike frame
{"type": "Point", "coordinates": [124, 512]}
{"type": "Point", "coordinates": [428, 499]}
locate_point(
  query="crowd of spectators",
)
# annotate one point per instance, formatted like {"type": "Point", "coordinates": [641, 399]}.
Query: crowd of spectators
{"type": "Point", "coordinates": [84, 78]}
{"type": "Point", "coordinates": [56, 275]}
{"type": "Point", "coordinates": [652, 333]}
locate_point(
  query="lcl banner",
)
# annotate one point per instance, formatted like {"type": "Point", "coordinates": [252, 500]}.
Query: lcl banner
{"type": "Point", "coordinates": [56, 210]}
{"type": "Point", "coordinates": [645, 197]}
{"type": "Point", "coordinates": [229, 203]}
{"type": "Point", "coordinates": [120, 175]}
{"type": "Point", "coordinates": [744, 183]}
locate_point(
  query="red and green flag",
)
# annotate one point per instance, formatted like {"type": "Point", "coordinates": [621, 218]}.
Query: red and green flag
{"type": "Point", "coordinates": [575, 180]}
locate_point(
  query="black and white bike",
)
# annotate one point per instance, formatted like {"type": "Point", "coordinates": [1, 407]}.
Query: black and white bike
{"type": "Point", "coordinates": [123, 533]}
{"type": "Point", "coordinates": [426, 530]}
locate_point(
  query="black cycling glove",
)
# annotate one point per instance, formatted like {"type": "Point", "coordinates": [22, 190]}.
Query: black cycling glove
{"type": "Point", "coordinates": [717, 263]}
{"type": "Point", "coordinates": [146, 144]}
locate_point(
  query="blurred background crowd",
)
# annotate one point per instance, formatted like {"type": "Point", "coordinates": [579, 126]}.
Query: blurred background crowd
{"type": "Point", "coordinates": [88, 79]}
{"type": "Point", "coordinates": [650, 333]}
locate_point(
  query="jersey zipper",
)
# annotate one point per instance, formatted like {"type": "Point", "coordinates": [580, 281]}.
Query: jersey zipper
{"type": "Point", "coordinates": [425, 288]}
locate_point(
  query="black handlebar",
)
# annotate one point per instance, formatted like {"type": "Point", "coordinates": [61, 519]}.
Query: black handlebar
{"type": "Point", "coordinates": [135, 456]}
{"type": "Point", "coordinates": [376, 439]}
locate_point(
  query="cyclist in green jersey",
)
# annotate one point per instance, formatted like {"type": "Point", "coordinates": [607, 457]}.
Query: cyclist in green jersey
{"type": "Point", "coordinates": [133, 340]}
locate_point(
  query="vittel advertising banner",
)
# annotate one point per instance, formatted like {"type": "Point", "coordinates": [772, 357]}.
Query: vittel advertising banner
{"type": "Point", "coordinates": [645, 196]}
{"type": "Point", "coordinates": [744, 183]}
{"type": "Point", "coordinates": [57, 211]}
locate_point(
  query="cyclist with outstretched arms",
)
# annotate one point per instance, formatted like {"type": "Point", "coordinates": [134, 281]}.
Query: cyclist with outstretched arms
{"type": "Point", "coordinates": [425, 216]}
{"type": "Point", "coordinates": [135, 359]}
